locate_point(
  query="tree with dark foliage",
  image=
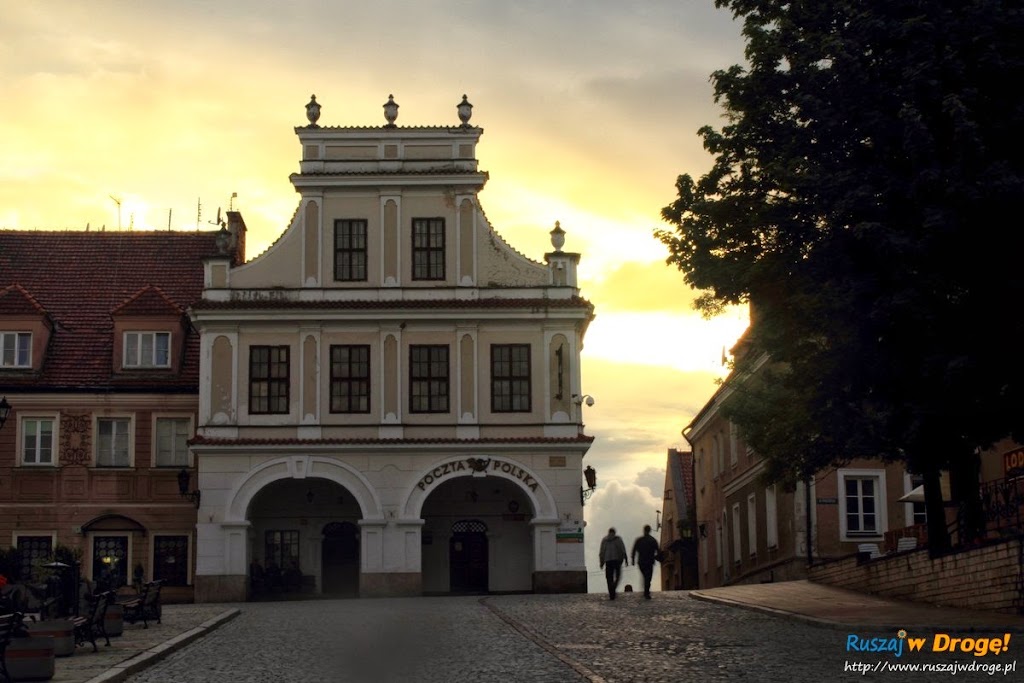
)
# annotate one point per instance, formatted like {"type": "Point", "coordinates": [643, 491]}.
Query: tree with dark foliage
{"type": "Point", "coordinates": [864, 200]}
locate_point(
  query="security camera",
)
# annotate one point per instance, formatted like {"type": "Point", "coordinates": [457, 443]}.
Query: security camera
{"type": "Point", "coordinates": [590, 401]}
{"type": "Point", "coordinates": [579, 400]}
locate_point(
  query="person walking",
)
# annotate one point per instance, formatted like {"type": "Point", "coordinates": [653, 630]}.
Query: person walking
{"type": "Point", "coordinates": [647, 549]}
{"type": "Point", "coordinates": [613, 554]}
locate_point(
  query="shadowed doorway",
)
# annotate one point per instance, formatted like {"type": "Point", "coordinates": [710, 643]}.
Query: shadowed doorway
{"type": "Point", "coordinates": [340, 564]}
{"type": "Point", "coordinates": [467, 554]}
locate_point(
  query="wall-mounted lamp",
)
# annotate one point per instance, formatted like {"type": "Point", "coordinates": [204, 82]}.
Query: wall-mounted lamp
{"type": "Point", "coordinates": [183, 486]}
{"type": "Point", "coordinates": [657, 521]}
{"type": "Point", "coordinates": [581, 399]}
{"type": "Point", "coordinates": [590, 474]}
{"type": "Point", "coordinates": [703, 529]}
{"type": "Point", "coordinates": [309, 496]}
{"type": "Point", "coordinates": [5, 410]}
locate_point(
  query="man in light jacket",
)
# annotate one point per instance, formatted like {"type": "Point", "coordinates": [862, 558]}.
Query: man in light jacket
{"type": "Point", "coordinates": [613, 554]}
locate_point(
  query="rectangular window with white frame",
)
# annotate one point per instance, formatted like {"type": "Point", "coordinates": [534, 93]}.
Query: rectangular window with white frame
{"type": "Point", "coordinates": [751, 525]}
{"type": "Point", "coordinates": [428, 379]}
{"type": "Point", "coordinates": [771, 518]}
{"type": "Point", "coordinates": [428, 249]}
{"type": "Point", "coordinates": [34, 550]}
{"type": "Point", "coordinates": [915, 510]}
{"type": "Point", "coordinates": [147, 349]}
{"type": "Point", "coordinates": [113, 442]}
{"type": "Point", "coordinates": [38, 437]}
{"type": "Point", "coordinates": [510, 378]}
{"type": "Point", "coordinates": [171, 559]}
{"type": "Point", "coordinates": [15, 349]}
{"type": "Point", "coordinates": [171, 435]}
{"type": "Point", "coordinates": [862, 505]}
{"type": "Point", "coordinates": [350, 250]}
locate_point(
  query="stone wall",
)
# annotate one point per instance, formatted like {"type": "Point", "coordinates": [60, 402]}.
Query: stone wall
{"type": "Point", "coordinates": [989, 577]}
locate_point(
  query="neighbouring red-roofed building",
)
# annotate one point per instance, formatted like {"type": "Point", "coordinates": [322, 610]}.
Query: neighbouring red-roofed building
{"type": "Point", "coordinates": [100, 365]}
{"type": "Point", "coordinates": [679, 529]}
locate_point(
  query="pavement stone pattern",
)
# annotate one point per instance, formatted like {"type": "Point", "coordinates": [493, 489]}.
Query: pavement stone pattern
{"type": "Point", "coordinates": [147, 644]}
{"type": "Point", "coordinates": [779, 632]}
{"type": "Point", "coordinates": [542, 638]}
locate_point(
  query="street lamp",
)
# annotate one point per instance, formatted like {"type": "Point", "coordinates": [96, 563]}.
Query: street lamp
{"type": "Point", "coordinates": [657, 522]}
{"type": "Point", "coordinates": [183, 481]}
{"type": "Point", "coordinates": [590, 474]}
{"type": "Point", "coordinates": [5, 411]}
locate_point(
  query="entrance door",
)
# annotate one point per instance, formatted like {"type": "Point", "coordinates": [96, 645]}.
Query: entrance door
{"type": "Point", "coordinates": [467, 557]}
{"type": "Point", "coordinates": [109, 560]}
{"type": "Point", "coordinates": [339, 570]}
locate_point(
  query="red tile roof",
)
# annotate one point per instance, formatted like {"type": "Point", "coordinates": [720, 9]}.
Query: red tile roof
{"type": "Point", "coordinates": [149, 300]}
{"type": "Point", "coordinates": [81, 278]}
{"type": "Point", "coordinates": [14, 300]}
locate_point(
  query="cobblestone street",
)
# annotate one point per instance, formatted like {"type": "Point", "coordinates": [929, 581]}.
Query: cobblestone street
{"type": "Point", "coordinates": [540, 638]}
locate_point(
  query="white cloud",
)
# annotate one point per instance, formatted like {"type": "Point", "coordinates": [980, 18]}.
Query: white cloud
{"type": "Point", "coordinates": [627, 508]}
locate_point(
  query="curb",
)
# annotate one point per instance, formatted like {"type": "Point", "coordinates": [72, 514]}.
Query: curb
{"type": "Point", "coordinates": [853, 626]}
{"type": "Point", "coordinates": [121, 672]}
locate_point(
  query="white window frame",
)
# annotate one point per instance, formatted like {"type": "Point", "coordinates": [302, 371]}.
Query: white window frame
{"type": "Point", "coordinates": [22, 532]}
{"type": "Point", "coordinates": [54, 418]}
{"type": "Point", "coordinates": [96, 441]}
{"type": "Point", "coordinates": [189, 579]}
{"type": "Point", "coordinates": [908, 486]}
{"type": "Point", "coordinates": [89, 556]}
{"type": "Point", "coordinates": [771, 518]}
{"type": "Point", "coordinates": [22, 344]}
{"type": "Point", "coordinates": [737, 542]}
{"type": "Point", "coordinates": [751, 525]}
{"type": "Point", "coordinates": [155, 448]}
{"type": "Point", "coordinates": [137, 336]}
{"type": "Point", "coordinates": [881, 505]}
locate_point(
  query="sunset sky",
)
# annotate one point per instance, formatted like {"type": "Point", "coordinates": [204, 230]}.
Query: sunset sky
{"type": "Point", "coordinates": [590, 110]}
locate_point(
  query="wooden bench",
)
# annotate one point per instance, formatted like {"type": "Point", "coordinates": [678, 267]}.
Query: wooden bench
{"type": "Point", "coordinates": [145, 606]}
{"type": "Point", "coordinates": [91, 626]}
{"type": "Point", "coordinates": [10, 624]}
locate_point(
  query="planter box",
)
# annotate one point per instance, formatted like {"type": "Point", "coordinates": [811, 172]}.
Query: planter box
{"type": "Point", "coordinates": [30, 659]}
{"type": "Point", "coordinates": [62, 631]}
{"type": "Point", "coordinates": [113, 620]}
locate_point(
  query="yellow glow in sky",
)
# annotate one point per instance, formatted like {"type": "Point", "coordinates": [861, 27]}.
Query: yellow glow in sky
{"type": "Point", "coordinates": [590, 111]}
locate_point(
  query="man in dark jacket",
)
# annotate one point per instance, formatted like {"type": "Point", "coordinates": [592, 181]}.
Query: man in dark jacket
{"type": "Point", "coordinates": [612, 555]}
{"type": "Point", "coordinates": [647, 549]}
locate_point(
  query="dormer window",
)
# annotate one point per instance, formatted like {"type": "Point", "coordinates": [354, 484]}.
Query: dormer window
{"type": "Point", "coordinates": [147, 349]}
{"type": "Point", "coordinates": [15, 349]}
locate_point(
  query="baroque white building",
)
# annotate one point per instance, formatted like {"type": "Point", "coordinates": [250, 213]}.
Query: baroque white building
{"type": "Point", "coordinates": [389, 395]}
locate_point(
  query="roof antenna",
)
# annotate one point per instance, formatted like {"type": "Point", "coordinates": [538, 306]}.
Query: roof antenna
{"type": "Point", "coordinates": [231, 203]}
{"type": "Point", "coordinates": [118, 202]}
{"type": "Point", "coordinates": [199, 211]}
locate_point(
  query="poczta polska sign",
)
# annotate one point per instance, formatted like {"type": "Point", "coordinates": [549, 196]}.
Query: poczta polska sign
{"type": "Point", "coordinates": [481, 465]}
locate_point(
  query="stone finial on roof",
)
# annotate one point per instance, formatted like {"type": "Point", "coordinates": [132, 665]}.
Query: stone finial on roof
{"type": "Point", "coordinates": [557, 237]}
{"type": "Point", "coordinates": [313, 111]}
{"type": "Point", "coordinates": [465, 111]}
{"type": "Point", "coordinates": [390, 111]}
